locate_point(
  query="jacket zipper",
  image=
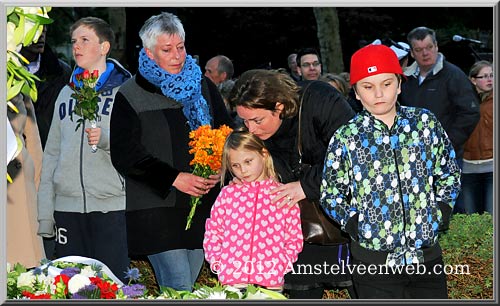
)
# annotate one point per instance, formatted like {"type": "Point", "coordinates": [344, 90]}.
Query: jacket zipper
{"type": "Point", "coordinates": [400, 194]}
{"type": "Point", "coordinates": [252, 234]}
{"type": "Point", "coordinates": [81, 170]}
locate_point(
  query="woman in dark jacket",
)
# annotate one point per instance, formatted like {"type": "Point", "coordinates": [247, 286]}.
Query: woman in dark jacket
{"type": "Point", "coordinates": [268, 102]}
{"type": "Point", "coordinates": [152, 117]}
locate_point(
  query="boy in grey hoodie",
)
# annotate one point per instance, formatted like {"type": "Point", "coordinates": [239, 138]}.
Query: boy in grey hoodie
{"type": "Point", "coordinates": [81, 199]}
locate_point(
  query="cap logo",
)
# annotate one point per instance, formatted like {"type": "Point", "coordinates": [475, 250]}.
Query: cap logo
{"type": "Point", "coordinates": [372, 69]}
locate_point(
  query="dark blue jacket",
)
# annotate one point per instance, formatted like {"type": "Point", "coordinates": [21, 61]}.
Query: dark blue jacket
{"type": "Point", "coordinates": [448, 93]}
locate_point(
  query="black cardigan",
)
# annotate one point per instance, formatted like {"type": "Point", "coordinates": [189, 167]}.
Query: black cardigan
{"type": "Point", "coordinates": [324, 110]}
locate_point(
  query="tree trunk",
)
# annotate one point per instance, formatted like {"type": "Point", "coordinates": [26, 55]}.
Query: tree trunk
{"type": "Point", "coordinates": [327, 22]}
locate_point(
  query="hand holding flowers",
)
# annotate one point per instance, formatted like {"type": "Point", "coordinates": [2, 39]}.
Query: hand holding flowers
{"type": "Point", "coordinates": [206, 144]}
{"type": "Point", "coordinates": [87, 100]}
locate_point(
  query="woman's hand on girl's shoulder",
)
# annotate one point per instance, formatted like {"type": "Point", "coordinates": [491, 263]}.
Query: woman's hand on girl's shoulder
{"type": "Point", "coordinates": [287, 194]}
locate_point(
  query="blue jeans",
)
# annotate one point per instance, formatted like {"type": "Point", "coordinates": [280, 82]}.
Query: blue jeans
{"type": "Point", "coordinates": [477, 192]}
{"type": "Point", "coordinates": [177, 269]}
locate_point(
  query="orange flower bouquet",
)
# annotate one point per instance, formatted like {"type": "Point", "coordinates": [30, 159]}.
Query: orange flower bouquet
{"type": "Point", "coordinates": [206, 144]}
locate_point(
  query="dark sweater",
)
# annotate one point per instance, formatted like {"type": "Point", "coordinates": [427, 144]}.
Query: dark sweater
{"type": "Point", "coordinates": [149, 147]}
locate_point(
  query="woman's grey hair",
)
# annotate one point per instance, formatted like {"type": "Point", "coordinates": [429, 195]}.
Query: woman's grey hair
{"type": "Point", "coordinates": [164, 23]}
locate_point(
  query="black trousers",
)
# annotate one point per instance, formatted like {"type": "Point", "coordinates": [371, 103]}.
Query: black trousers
{"type": "Point", "coordinates": [412, 285]}
{"type": "Point", "coordinates": [96, 235]}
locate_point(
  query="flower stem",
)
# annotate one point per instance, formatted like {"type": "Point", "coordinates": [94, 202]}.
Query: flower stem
{"type": "Point", "coordinates": [194, 202]}
{"type": "Point", "coordinates": [93, 124]}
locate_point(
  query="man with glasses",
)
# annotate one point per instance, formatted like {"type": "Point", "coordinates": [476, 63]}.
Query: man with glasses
{"type": "Point", "coordinates": [309, 63]}
{"type": "Point", "coordinates": [441, 87]}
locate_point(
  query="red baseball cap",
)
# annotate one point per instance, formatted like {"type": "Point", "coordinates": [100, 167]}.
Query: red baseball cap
{"type": "Point", "coordinates": [372, 60]}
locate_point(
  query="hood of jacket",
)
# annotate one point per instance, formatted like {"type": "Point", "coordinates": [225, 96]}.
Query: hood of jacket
{"type": "Point", "coordinates": [117, 77]}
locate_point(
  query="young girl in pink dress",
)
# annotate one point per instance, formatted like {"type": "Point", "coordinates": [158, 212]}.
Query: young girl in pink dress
{"type": "Point", "coordinates": [248, 239]}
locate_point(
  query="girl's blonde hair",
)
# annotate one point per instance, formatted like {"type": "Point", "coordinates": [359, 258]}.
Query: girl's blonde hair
{"type": "Point", "coordinates": [242, 139]}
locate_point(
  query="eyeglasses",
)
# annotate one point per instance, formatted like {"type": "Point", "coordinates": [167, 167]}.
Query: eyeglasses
{"type": "Point", "coordinates": [314, 64]}
{"type": "Point", "coordinates": [484, 76]}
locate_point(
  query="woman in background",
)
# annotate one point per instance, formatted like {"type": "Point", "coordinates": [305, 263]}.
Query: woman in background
{"type": "Point", "coordinates": [477, 172]}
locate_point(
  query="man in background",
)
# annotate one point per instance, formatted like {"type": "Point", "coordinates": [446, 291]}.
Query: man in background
{"type": "Point", "coordinates": [219, 69]}
{"type": "Point", "coordinates": [292, 66]}
{"type": "Point", "coordinates": [441, 87]}
{"type": "Point", "coordinates": [309, 63]}
{"type": "Point", "coordinates": [53, 73]}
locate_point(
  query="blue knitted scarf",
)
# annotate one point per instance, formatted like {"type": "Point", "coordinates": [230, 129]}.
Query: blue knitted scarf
{"type": "Point", "coordinates": [184, 87]}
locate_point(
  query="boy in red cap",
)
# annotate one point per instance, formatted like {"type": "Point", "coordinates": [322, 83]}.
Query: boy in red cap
{"type": "Point", "coordinates": [390, 180]}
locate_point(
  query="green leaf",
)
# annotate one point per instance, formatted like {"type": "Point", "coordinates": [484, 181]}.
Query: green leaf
{"type": "Point", "coordinates": [10, 80]}
{"type": "Point", "coordinates": [19, 31]}
{"type": "Point", "coordinates": [14, 18]}
{"type": "Point", "coordinates": [39, 19]}
{"type": "Point", "coordinates": [273, 294]}
{"type": "Point", "coordinates": [14, 90]}
{"type": "Point", "coordinates": [28, 38]}
{"type": "Point", "coordinates": [26, 90]}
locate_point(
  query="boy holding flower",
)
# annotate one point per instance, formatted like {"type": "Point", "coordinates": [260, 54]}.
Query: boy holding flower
{"type": "Point", "coordinates": [81, 199]}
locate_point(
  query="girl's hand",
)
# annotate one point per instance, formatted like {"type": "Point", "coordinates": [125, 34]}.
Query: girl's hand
{"type": "Point", "coordinates": [288, 194]}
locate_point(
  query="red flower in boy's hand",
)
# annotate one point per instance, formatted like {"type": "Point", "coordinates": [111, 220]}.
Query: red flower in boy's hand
{"type": "Point", "coordinates": [86, 97]}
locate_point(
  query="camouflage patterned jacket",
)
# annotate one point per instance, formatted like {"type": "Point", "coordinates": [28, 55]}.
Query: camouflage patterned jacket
{"type": "Point", "coordinates": [391, 188]}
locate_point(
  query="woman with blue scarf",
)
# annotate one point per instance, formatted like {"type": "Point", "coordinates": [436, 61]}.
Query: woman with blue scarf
{"type": "Point", "coordinates": [81, 198]}
{"type": "Point", "coordinates": [153, 115]}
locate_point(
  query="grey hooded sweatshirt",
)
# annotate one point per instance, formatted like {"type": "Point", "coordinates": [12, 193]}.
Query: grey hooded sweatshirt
{"type": "Point", "coordinates": [73, 178]}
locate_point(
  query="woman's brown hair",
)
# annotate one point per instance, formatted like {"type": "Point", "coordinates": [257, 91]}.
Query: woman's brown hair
{"type": "Point", "coordinates": [261, 88]}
